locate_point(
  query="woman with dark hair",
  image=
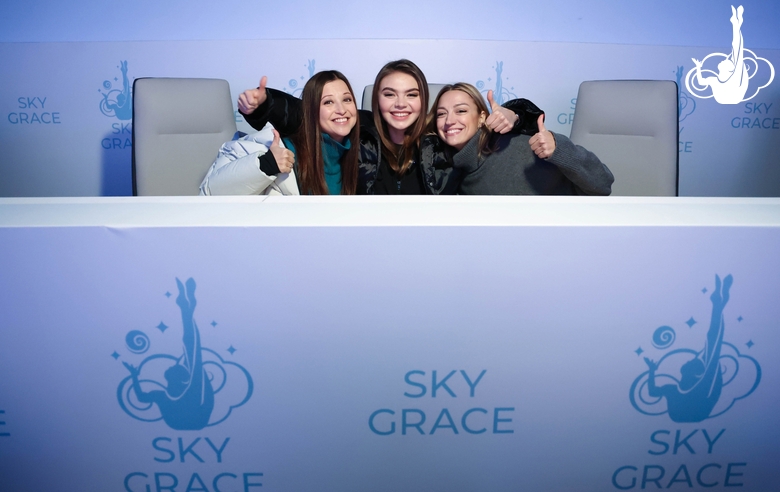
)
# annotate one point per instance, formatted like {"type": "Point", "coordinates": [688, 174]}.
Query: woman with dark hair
{"type": "Point", "coordinates": [399, 101]}
{"type": "Point", "coordinates": [326, 144]}
{"type": "Point", "coordinates": [537, 162]}
{"type": "Point", "coordinates": [324, 148]}
{"type": "Point", "coordinates": [391, 154]}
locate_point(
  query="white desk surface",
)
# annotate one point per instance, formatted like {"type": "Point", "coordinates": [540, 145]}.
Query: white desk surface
{"type": "Point", "coordinates": [262, 211]}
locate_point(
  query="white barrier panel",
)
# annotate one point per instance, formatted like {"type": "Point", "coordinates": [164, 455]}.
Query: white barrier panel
{"type": "Point", "coordinates": [140, 351]}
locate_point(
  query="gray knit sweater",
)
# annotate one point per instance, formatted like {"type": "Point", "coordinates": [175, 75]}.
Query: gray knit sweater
{"type": "Point", "coordinates": [514, 169]}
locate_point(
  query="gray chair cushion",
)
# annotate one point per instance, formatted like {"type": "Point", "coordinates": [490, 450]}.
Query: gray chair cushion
{"type": "Point", "coordinates": [631, 125]}
{"type": "Point", "coordinates": [178, 127]}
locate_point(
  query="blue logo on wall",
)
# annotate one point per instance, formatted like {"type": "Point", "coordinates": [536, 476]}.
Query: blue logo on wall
{"type": "Point", "coordinates": [117, 102]}
{"type": "Point", "coordinates": [292, 84]}
{"type": "Point", "coordinates": [710, 380]}
{"type": "Point", "coordinates": [500, 94]}
{"type": "Point", "coordinates": [686, 105]}
{"type": "Point", "coordinates": [191, 391]}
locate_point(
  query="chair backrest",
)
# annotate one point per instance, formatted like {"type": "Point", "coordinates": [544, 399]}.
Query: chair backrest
{"type": "Point", "coordinates": [433, 91]}
{"type": "Point", "coordinates": [178, 127]}
{"type": "Point", "coordinates": [631, 125]}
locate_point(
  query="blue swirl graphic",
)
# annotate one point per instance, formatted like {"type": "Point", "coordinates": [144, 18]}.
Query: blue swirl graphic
{"type": "Point", "coordinates": [663, 337]}
{"type": "Point", "coordinates": [293, 83]}
{"type": "Point", "coordinates": [233, 386]}
{"type": "Point", "coordinates": [730, 365]}
{"type": "Point", "coordinates": [639, 394]}
{"type": "Point", "coordinates": [106, 84]}
{"type": "Point", "coordinates": [137, 342]}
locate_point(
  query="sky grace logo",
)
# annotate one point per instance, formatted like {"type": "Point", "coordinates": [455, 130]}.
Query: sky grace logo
{"type": "Point", "coordinates": [117, 97]}
{"type": "Point", "coordinates": [691, 384]}
{"type": "Point", "coordinates": [501, 93]}
{"type": "Point", "coordinates": [189, 391]}
{"type": "Point", "coordinates": [293, 86]}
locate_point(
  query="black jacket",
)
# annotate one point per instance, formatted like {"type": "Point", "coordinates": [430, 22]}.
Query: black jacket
{"type": "Point", "coordinates": [284, 112]}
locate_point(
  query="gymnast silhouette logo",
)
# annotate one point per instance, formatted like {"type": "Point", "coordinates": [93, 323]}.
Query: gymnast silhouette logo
{"type": "Point", "coordinates": [192, 391]}
{"type": "Point", "coordinates": [711, 380]}
{"type": "Point", "coordinates": [117, 102]}
{"type": "Point", "coordinates": [730, 83]}
{"type": "Point", "coordinates": [292, 84]}
{"type": "Point", "coordinates": [686, 105]}
{"type": "Point", "coordinates": [500, 94]}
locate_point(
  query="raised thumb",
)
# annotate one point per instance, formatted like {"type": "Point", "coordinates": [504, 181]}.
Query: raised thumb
{"type": "Point", "coordinates": [492, 103]}
{"type": "Point", "coordinates": [540, 123]}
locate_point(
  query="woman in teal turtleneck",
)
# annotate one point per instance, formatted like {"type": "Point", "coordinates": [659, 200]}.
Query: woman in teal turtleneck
{"type": "Point", "coordinates": [326, 145]}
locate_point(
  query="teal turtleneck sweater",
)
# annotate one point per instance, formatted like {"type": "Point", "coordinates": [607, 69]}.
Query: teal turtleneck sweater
{"type": "Point", "coordinates": [332, 152]}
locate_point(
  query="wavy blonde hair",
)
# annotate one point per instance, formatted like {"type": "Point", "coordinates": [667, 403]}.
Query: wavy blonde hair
{"type": "Point", "coordinates": [485, 144]}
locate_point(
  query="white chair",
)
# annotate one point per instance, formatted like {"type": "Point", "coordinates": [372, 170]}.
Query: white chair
{"type": "Point", "coordinates": [631, 125]}
{"type": "Point", "coordinates": [178, 127]}
{"type": "Point", "coordinates": [433, 91]}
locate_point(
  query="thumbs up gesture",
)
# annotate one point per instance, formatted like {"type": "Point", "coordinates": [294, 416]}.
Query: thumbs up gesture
{"type": "Point", "coordinates": [284, 157]}
{"type": "Point", "coordinates": [501, 119]}
{"type": "Point", "coordinates": [250, 99]}
{"type": "Point", "coordinates": [543, 143]}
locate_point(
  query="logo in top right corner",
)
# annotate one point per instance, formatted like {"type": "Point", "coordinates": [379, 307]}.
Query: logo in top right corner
{"type": "Point", "coordinates": [733, 78]}
{"type": "Point", "coordinates": [692, 384]}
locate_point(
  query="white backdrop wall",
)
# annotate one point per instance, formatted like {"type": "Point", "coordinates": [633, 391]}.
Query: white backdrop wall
{"type": "Point", "coordinates": [658, 22]}
{"type": "Point", "coordinates": [66, 129]}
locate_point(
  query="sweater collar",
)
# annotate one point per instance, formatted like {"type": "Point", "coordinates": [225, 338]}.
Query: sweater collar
{"type": "Point", "coordinates": [332, 151]}
{"type": "Point", "coordinates": [330, 145]}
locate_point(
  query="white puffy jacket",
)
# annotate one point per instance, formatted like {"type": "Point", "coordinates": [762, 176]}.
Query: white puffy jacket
{"type": "Point", "coordinates": [236, 170]}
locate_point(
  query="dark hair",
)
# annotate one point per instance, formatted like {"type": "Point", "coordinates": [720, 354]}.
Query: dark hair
{"type": "Point", "coordinates": [401, 156]}
{"type": "Point", "coordinates": [485, 144]}
{"type": "Point", "coordinates": [308, 141]}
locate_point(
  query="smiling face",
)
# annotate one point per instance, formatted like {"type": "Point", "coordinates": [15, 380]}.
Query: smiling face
{"type": "Point", "coordinates": [458, 118]}
{"type": "Point", "coordinates": [337, 110]}
{"type": "Point", "coordinates": [399, 103]}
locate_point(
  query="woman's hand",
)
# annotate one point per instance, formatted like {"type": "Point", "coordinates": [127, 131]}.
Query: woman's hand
{"type": "Point", "coordinates": [543, 143]}
{"type": "Point", "coordinates": [501, 119]}
{"type": "Point", "coordinates": [250, 99]}
{"type": "Point", "coordinates": [284, 157]}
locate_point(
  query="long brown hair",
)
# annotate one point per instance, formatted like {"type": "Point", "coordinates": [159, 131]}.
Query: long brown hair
{"type": "Point", "coordinates": [308, 141]}
{"type": "Point", "coordinates": [401, 156]}
{"type": "Point", "coordinates": [485, 143]}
